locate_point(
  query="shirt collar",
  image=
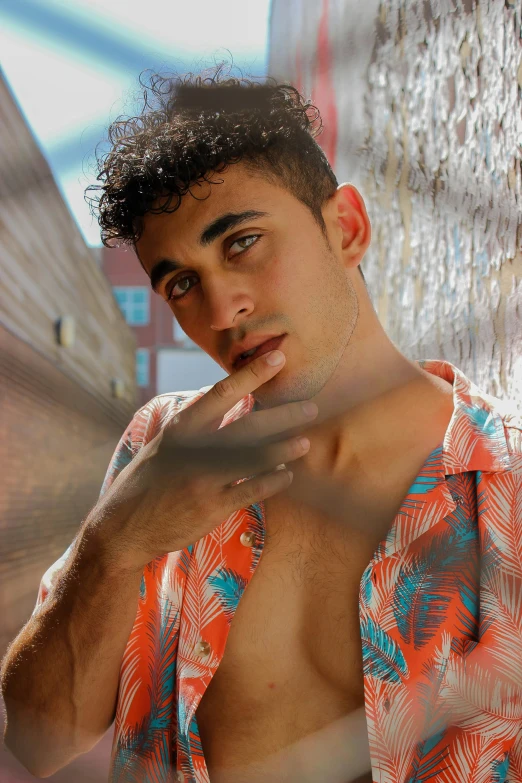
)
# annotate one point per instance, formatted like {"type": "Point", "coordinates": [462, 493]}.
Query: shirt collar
{"type": "Point", "coordinates": [475, 439]}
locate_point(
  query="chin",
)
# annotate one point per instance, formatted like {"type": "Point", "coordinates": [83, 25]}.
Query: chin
{"type": "Point", "coordinates": [285, 388]}
{"type": "Point", "coordinates": [273, 392]}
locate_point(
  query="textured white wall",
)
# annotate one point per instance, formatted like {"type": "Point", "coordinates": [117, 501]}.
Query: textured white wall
{"type": "Point", "coordinates": [429, 114]}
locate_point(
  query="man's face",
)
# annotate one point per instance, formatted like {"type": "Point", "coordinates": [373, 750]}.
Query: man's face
{"type": "Point", "coordinates": [243, 262]}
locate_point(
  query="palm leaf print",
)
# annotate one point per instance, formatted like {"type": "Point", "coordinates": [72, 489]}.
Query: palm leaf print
{"type": "Point", "coordinates": [430, 754]}
{"type": "Point", "coordinates": [468, 615]}
{"type": "Point", "coordinates": [126, 765]}
{"type": "Point", "coordinates": [158, 768]}
{"type": "Point", "coordinates": [142, 756]}
{"type": "Point", "coordinates": [195, 740]}
{"type": "Point", "coordinates": [490, 565]}
{"type": "Point", "coordinates": [156, 564]}
{"type": "Point", "coordinates": [500, 769]}
{"type": "Point", "coordinates": [365, 592]}
{"type": "Point", "coordinates": [162, 665]}
{"type": "Point", "coordinates": [138, 760]}
{"type": "Point", "coordinates": [184, 560]}
{"type": "Point", "coordinates": [473, 426]}
{"type": "Point", "coordinates": [515, 761]}
{"type": "Point", "coordinates": [200, 604]}
{"type": "Point", "coordinates": [382, 656]}
{"type": "Point", "coordinates": [143, 589]}
{"type": "Point", "coordinates": [256, 525]}
{"type": "Point", "coordinates": [490, 557]}
{"type": "Point", "coordinates": [430, 474]}
{"type": "Point", "coordinates": [472, 760]}
{"type": "Point", "coordinates": [413, 519]}
{"type": "Point", "coordinates": [463, 443]}
{"type": "Point", "coordinates": [479, 700]}
{"type": "Point", "coordinates": [229, 587]}
{"type": "Point", "coordinates": [429, 762]}
{"type": "Point", "coordinates": [121, 458]}
{"type": "Point", "coordinates": [484, 422]}
{"type": "Point", "coordinates": [378, 585]}
{"type": "Point", "coordinates": [424, 590]}
{"type": "Point", "coordinates": [464, 539]}
{"type": "Point", "coordinates": [187, 732]}
{"type": "Point", "coordinates": [392, 729]}
{"type": "Point", "coordinates": [185, 755]}
{"type": "Point", "coordinates": [505, 513]}
{"type": "Point", "coordinates": [501, 603]}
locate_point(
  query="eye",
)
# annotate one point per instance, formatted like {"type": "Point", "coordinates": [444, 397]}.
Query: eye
{"type": "Point", "coordinates": [181, 287]}
{"type": "Point", "coordinates": [244, 243]}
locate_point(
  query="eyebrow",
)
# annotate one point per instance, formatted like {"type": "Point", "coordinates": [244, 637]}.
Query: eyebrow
{"type": "Point", "coordinates": [222, 224]}
{"type": "Point", "coordinates": [210, 233]}
{"type": "Point", "coordinates": [161, 270]}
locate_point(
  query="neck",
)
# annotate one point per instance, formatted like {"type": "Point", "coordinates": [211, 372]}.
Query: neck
{"type": "Point", "coordinates": [377, 405]}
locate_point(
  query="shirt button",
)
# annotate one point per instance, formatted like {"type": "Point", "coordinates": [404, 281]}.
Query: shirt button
{"type": "Point", "coordinates": [248, 538]}
{"type": "Point", "coordinates": [203, 648]}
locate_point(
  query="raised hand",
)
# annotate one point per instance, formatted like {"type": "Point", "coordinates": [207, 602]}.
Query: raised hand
{"type": "Point", "coordinates": [193, 475]}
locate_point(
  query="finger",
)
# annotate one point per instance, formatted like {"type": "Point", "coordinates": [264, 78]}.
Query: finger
{"type": "Point", "coordinates": [263, 425]}
{"type": "Point", "coordinates": [228, 463]}
{"type": "Point", "coordinates": [265, 460]}
{"type": "Point", "coordinates": [207, 412]}
{"type": "Point", "coordinates": [256, 489]}
{"type": "Point", "coordinates": [274, 454]}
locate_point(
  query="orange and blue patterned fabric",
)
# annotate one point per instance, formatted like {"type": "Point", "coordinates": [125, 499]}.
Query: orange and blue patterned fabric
{"type": "Point", "coordinates": [444, 585]}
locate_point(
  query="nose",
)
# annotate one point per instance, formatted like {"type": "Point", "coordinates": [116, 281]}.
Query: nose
{"type": "Point", "coordinates": [228, 306]}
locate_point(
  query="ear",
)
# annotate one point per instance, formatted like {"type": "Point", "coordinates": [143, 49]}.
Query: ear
{"type": "Point", "coordinates": [352, 220]}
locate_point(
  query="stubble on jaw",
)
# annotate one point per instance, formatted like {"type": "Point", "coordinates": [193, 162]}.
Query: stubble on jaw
{"type": "Point", "coordinates": [321, 363]}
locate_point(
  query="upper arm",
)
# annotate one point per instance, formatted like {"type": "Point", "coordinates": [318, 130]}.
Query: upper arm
{"type": "Point", "coordinates": [128, 445]}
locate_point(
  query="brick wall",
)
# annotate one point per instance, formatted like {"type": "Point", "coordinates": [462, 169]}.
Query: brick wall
{"type": "Point", "coordinates": [55, 444]}
{"type": "Point", "coordinates": [59, 421]}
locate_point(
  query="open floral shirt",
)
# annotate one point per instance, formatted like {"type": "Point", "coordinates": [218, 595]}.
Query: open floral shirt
{"type": "Point", "coordinates": [445, 583]}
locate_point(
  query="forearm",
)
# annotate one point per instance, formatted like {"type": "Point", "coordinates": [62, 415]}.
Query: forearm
{"type": "Point", "coordinates": [60, 675]}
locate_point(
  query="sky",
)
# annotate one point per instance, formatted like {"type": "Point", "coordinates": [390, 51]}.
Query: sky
{"type": "Point", "coordinates": [73, 66]}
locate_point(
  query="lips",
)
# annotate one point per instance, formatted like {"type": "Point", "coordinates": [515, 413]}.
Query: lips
{"type": "Point", "coordinates": [269, 345]}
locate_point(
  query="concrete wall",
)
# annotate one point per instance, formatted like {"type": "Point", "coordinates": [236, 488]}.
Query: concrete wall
{"type": "Point", "coordinates": [423, 111]}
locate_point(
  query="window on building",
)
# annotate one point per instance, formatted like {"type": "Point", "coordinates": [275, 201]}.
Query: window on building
{"type": "Point", "coordinates": [143, 367]}
{"type": "Point", "coordinates": [134, 303]}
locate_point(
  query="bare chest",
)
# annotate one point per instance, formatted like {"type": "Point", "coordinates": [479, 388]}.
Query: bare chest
{"type": "Point", "coordinates": [293, 660]}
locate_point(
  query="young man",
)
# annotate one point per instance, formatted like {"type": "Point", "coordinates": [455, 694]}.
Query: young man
{"type": "Point", "coordinates": [322, 549]}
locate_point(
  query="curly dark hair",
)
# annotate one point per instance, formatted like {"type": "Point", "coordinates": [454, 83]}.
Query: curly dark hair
{"type": "Point", "coordinates": [192, 128]}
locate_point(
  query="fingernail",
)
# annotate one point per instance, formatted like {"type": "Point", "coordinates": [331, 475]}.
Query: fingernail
{"type": "Point", "coordinates": [282, 466]}
{"type": "Point", "coordinates": [274, 357]}
{"type": "Point", "coordinates": [304, 443]}
{"type": "Point", "coordinates": [310, 408]}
